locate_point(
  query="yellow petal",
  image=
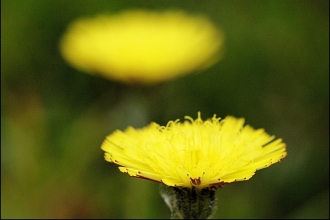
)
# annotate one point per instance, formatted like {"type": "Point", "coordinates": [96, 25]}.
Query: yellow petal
{"type": "Point", "coordinates": [140, 46]}
{"type": "Point", "coordinates": [194, 153]}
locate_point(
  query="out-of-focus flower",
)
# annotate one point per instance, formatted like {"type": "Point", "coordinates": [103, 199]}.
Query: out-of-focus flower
{"type": "Point", "coordinates": [195, 153]}
{"type": "Point", "coordinates": [140, 46]}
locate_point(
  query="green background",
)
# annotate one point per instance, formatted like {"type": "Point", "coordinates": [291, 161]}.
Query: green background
{"type": "Point", "coordinates": [274, 73]}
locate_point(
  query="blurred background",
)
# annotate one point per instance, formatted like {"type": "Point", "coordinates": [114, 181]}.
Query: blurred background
{"type": "Point", "coordinates": [274, 73]}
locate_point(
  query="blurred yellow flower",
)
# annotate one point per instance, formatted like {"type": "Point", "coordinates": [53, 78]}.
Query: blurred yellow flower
{"type": "Point", "coordinates": [194, 153]}
{"type": "Point", "coordinates": [140, 46]}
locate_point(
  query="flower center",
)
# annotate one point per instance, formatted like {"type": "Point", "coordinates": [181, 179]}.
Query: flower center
{"type": "Point", "coordinates": [195, 181]}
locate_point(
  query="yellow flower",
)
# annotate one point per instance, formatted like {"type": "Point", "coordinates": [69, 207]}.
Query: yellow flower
{"type": "Point", "coordinates": [140, 46]}
{"type": "Point", "coordinates": [194, 153]}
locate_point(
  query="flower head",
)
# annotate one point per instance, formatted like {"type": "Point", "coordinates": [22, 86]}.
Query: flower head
{"type": "Point", "coordinates": [140, 46]}
{"type": "Point", "coordinates": [194, 153]}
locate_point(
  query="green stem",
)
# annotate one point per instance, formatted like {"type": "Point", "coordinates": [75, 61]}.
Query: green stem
{"type": "Point", "coordinates": [190, 203]}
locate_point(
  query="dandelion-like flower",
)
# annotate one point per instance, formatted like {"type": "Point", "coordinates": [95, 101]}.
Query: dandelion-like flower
{"type": "Point", "coordinates": [194, 153]}
{"type": "Point", "coordinates": [192, 159]}
{"type": "Point", "coordinates": [139, 46]}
